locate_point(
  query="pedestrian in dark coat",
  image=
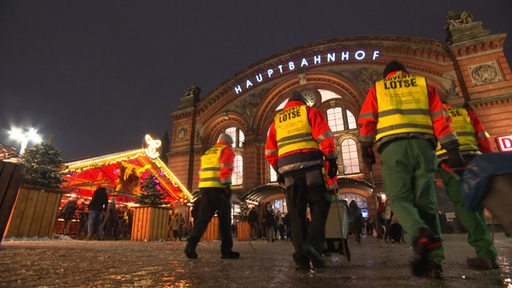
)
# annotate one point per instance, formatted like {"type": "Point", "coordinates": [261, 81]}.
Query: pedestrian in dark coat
{"type": "Point", "coordinates": [356, 226]}
{"type": "Point", "coordinates": [269, 221]}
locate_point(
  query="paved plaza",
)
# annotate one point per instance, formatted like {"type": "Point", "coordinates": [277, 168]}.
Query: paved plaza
{"type": "Point", "coordinates": [374, 263]}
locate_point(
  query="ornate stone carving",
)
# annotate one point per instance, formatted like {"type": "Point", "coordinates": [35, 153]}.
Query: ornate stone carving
{"type": "Point", "coordinates": [485, 73]}
{"type": "Point", "coordinates": [181, 134]}
{"type": "Point", "coordinates": [247, 105]}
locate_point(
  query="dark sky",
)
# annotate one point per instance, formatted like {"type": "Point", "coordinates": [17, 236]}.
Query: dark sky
{"type": "Point", "coordinates": [98, 75]}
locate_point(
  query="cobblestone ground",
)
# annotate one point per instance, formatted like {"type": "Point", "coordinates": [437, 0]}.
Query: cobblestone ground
{"type": "Point", "coordinates": [374, 263]}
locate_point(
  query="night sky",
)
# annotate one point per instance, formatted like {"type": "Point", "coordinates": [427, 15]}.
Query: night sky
{"type": "Point", "coordinates": [98, 75]}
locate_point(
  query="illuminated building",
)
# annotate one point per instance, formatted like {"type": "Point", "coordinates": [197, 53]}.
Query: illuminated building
{"type": "Point", "coordinates": [469, 66]}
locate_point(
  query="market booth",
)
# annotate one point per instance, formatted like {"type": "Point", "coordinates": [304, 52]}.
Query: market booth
{"type": "Point", "coordinates": [121, 173]}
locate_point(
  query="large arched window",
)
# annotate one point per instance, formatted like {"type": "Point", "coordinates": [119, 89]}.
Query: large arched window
{"type": "Point", "coordinates": [349, 155]}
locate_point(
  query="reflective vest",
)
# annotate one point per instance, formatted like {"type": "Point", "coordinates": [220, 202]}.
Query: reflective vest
{"type": "Point", "coordinates": [293, 131]}
{"type": "Point", "coordinates": [403, 106]}
{"type": "Point", "coordinates": [209, 176]}
{"type": "Point", "coordinates": [461, 124]}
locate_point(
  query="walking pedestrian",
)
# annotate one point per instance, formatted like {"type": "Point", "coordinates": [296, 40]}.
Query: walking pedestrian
{"type": "Point", "coordinates": [356, 225]}
{"type": "Point", "coordinates": [97, 207]}
{"type": "Point", "coordinates": [68, 214]}
{"type": "Point", "coordinates": [269, 221]}
{"type": "Point", "coordinates": [215, 189]}
{"type": "Point", "coordinates": [299, 145]}
{"type": "Point", "coordinates": [403, 116]}
{"type": "Point", "coordinates": [253, 219]}
{"type": "Point", "coordinates": [474, 141]}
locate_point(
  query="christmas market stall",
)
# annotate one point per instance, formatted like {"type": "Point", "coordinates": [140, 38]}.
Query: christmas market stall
{"type": "Point", "coordinates": [122, 175]}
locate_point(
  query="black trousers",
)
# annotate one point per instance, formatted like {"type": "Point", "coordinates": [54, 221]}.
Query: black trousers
{"type": "Point", "coordinates": [307, 189]}
{"type": "Point", "coordinates": [213, 199]}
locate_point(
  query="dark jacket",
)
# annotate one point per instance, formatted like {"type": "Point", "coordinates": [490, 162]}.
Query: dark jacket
{"type": "Point", "coordinates": [253, 216]}
{"type": "Point", "coordinates": [99, 200]}
{"type": "Point", "coordinates": [68, 211]}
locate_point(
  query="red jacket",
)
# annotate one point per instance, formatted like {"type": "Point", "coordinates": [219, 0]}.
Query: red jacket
{"type": "Point", "coordinates": [369, 116]}
{"type": "Point", "coordinates": [483, 139]}
{"type": "Point", "coordinates": [320, 131]}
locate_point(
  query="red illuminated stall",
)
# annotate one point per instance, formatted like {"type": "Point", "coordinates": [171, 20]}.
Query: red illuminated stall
{"type": "Point", "coordinates": [121, 173]}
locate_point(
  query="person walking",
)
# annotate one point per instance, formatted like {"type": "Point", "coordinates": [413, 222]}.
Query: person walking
{"type": "Point", "coordinates": [299, 145]}
{"type": "Point", "coordinates": [403, 116]}
{"type": "Point", "coordinates": [97, 207]}
{"type": "Point", "coordinates": [269, 221]}
{"type": "Point", "coordinates": [253, 219]}
{"type": "Point", "coordinates": [215, 189]}
{"type": "Point", "coordinates": [110, 222]}
{"type": "Point", "coordinates": [175, 225]}
{"type": "Point", "coordinates": [386, 218]}
{"type": "Point", "coordinates": [356, 225]}
{"type": "Point", "coordinates": [474, 141]}
{"type": "Point", "coordinates": [68, 214]}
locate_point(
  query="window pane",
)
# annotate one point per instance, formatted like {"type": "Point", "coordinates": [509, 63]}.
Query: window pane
{"type": "Point", "coordinates": [349, 155]}
{"type": "Point", "coordinates": [352, 124]}
{"type": "Point", "coordinates": [335, 119]}
{"type": "Point", "coordinates": [241, 138]}
{"type": "Point", "coordinates": [237, 176]}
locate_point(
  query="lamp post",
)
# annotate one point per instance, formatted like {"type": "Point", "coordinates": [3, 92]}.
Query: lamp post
{"type": "Point", "coordinates": [23, 136]}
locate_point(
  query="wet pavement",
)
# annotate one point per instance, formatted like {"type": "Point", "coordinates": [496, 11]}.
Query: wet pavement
{"type": "Point", "coordinates": [374, 263]}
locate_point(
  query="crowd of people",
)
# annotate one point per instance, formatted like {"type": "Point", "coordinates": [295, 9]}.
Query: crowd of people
{"type": "Point", "coordinates": [98, 219]}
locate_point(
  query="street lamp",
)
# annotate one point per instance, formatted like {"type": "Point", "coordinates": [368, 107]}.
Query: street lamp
{"type": "Point", "coordinates": [23, 136]}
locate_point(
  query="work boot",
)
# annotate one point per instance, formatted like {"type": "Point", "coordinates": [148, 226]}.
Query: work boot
{"type": "Point", "coordinates": [421, 265]}
{"type": "Point", "coordinates": [230, 255]}
{"type": "Point", "coordinates": [190, 251]}
{"type": "Point", "coordinates": [479, 263]}
{"type": "Point", "coordinates": [316, 258]}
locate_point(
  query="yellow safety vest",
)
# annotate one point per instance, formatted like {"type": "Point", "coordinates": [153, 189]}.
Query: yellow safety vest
{"type": "Point", "coordinates": [209, 176]}
{"type": "Point", "coordinates": [293, 131]}
{"type": "Point", "coordinates": [403, 106]}
{"type": "Point", "coordinates": [461, 124]}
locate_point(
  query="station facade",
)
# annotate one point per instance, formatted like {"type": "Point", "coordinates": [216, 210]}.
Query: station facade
{"type": "Point", "coordinates": [469, 66]}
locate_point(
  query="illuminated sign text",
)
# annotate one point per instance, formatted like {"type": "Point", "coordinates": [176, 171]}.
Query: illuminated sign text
{"type": "Point", "coordinates": [316, 60]}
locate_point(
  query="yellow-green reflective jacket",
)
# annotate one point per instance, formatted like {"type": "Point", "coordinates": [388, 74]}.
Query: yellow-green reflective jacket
{"type": "Point", "coordinates": [293, 131]}
{"type": "Point", "coordinates": [209, 176]}
{"type": "Point", "coordinates": [461, 124]}
{"type": "Point", "coordinates": [403, 106]}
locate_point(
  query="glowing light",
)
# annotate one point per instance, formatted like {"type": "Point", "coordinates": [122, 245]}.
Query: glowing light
{"type": "Point", "coordinates": [151, 146]}
{"type": "Point", "coordinates": [23, 136]}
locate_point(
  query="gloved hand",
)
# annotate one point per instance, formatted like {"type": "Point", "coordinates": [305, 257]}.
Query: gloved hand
{"type": "Point", "coordinates": [280, 178]}
{"type": "Point", "coordinates": [455, 159]}
{"type": "Point", "coordinates": [368, 155]}
{"type": "Point", "coordinates": [227, 191]}
{"type": "Point", "coordinates": [333, 168]}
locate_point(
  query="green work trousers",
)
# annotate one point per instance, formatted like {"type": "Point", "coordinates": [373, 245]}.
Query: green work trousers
{"type": "Point", "coordinates": [408, 169]}
{"type": "Point", "coordinates": [474, 221]}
